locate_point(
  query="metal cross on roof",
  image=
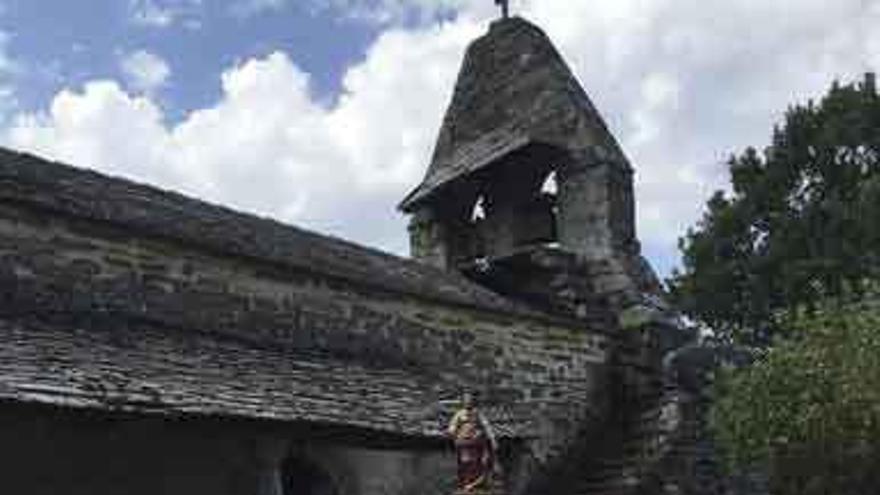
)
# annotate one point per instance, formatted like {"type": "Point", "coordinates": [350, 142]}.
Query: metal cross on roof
{"type": "Point", "coordinates": [505, 7]}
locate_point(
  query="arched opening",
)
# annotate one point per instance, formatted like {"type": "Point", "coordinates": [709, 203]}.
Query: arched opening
{"type": "Point", "coordinates": [478, 212]}
{"type": "Point", "coordinates": [550, 186]}
{"type": "Point", "coordinates": [504, 208]}
{"type": "Point", "coordinates": [536, 212]}
{"type": "Point", "coordinates": [466, 232]}
{"type": "Point", "coordinates": [301, 477]}
{"type": "Point", "coordinates": [550, 193]}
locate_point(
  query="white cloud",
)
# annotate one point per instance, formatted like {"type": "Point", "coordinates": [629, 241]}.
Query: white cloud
{"type": "Point", "coordinates": [145, 71]}
{"type": "Point", "coordinates": [682, 83]}
{"type": "Point", "coordinates": [101, 126]}
{"type": "Point", "coordinates": [147, 13]}
{"type": "Point", "coordinates": [165, 13]}
{"type": "Point", "coordinates": [383, 12]}
{"type": "Point", "coordinates": [9, 70]}
{"type": "Point", "coordinates": [390, 11]}
{"type": "Point", "coordinates": [247, 8]}
{"type": "Point", "coordinates": [7, 64]}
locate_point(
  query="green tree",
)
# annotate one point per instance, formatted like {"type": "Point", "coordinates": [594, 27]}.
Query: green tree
{"type": "Point", "coordinates": [809, 409]}
{"type": "Point", "coordinates": [800, 225]}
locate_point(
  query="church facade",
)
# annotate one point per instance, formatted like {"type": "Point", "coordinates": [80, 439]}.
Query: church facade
{"type": "Point", "coordinates": [151, 343]}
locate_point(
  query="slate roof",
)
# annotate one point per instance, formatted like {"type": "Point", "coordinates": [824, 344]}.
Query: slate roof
{"type": "Point", "coordinates": [513, 89]}
{"type": "Point", "coordinates": [118, 365]}
{"type": "Point", "coordinates": [25, 178]}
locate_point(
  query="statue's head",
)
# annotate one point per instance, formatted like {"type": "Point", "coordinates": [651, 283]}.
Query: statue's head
{"type": "Point", "coordinates": [468, 400]}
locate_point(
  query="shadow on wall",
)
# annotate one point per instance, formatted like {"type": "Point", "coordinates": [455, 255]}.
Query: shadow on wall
{"type": "Point", "coordinates": [301, 477]}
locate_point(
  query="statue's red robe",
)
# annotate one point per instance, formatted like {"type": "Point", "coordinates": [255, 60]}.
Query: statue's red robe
{"type": "Point", "coordinates": [474, 449]}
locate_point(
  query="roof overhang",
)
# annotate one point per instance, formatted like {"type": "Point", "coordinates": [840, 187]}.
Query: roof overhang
{"type": "Point", "coordinates": [115, 366]}
{"type": "Point", "coordinates": [492, 148]}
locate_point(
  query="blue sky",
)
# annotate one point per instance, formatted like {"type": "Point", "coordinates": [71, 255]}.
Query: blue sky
{"type": "Point", "coordinates": [65, 45]}
{"type": "Point", "coordinates": [323, 113]}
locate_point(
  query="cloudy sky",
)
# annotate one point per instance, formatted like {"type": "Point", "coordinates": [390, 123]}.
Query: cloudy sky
{"type": "Point", "coordinates": [323, 113]}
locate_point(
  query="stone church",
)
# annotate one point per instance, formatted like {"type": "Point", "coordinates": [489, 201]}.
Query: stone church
{"type": "Point", "coordinates": [151, 343]}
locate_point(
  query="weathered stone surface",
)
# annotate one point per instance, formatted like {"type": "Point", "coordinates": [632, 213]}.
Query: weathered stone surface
{"type": "Point", "coordinates": [691, 462]}
{"type": "Point", "coordinates": [58, 452]}
{"type": "Point", "coordinates": [148, 212]}
{"type": "Point", "coordinates": [517, 116]}
{"type": "Point", "coordinates": [252, 341]}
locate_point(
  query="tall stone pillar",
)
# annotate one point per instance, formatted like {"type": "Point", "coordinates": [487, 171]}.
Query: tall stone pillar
{"type": "Point", "coordinates": [428, 239]}
{"type": "Point", "coordinates": [596, 207]}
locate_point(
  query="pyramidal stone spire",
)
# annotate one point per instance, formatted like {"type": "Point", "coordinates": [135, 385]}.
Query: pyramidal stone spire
{"type": "Point", "coordinates": [518, 116]}
{"type": "Point", "coordinates": [513, 88]}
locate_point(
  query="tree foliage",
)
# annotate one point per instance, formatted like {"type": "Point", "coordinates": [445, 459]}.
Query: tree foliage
{"type": "Point", "coordinates": [809, 409]}
{"type": "Point", "coordinates": [800, 225]}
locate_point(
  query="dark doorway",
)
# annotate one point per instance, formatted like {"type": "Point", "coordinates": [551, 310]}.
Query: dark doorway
{"type": "Point", "coordinates": [300, 477]}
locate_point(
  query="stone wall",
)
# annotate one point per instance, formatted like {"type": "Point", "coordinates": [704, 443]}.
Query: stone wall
{"type": "Point", "coordinates": [361, 471]}
{"type": "Point", "coordinates": [51, 452]}
{"type": "Point", "coordinates": [540, 376]}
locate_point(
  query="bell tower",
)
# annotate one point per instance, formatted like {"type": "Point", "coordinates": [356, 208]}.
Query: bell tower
{"type": "Point", "coordinates": [523, 164]}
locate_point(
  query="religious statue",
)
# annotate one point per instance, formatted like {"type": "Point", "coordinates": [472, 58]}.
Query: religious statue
{"type": "Point", "coordinates": [475, 447]}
